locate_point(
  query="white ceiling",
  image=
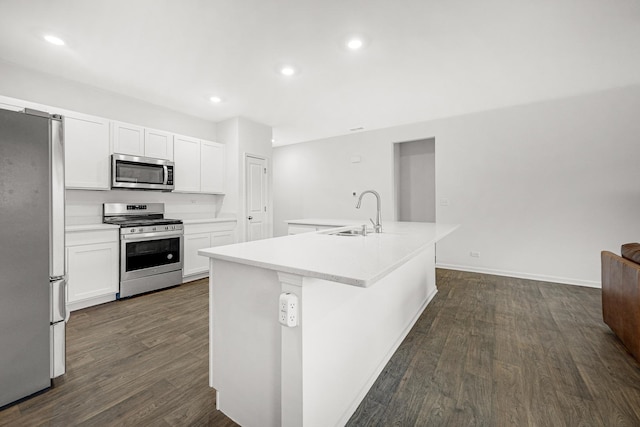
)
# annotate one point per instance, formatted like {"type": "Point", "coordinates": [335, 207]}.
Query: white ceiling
{"type": "Point", "coordinates": [426, 58]}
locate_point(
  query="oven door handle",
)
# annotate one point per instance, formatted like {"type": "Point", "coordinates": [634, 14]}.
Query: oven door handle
{"type": "Point", "coordinates": [152, 235]}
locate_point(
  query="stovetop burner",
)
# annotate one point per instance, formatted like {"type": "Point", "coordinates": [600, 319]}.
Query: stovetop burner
{"type": "Point", "coordinates": [140, 221]}
{"type": "Point", "coordinates": [139, 218]}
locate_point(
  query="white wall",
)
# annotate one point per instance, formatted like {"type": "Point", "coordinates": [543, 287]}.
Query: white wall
{"type": "Point", "coordinates": [317, 179]}
{"type": "Point", "coordinates": [227, 133]}
{"type": "Point", "coordinates": [85, 207]}
{"type": "Point", "coordinates": [243, 136]}
{"type": "Point", "coordinates": [539, 189]}
{"type": "Point", "coordinates": [34, 86]}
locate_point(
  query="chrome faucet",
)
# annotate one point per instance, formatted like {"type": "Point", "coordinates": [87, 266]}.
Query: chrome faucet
{"type": "Point", "coordinates": [377, 226]}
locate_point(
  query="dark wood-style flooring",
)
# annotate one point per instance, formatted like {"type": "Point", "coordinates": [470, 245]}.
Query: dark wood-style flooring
{"type": "Point", "coordinates": [488, 350]}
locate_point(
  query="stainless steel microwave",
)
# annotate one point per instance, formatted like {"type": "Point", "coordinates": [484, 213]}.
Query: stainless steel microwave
{"type": "Point", "coordinates": [141, 173]}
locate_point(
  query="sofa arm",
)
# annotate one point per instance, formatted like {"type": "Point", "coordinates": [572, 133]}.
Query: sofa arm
{"type": "Point", "coordinates": [621, 299]}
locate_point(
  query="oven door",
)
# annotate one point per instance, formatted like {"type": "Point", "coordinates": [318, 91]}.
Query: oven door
{"type": "Point", "coordinates": [147, 254]}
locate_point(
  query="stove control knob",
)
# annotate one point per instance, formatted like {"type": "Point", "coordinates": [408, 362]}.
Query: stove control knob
{"type": "Point", "coordinates": [133, 230]}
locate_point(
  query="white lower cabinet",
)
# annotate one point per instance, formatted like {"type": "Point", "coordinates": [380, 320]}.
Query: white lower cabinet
{"type": "Point", "coordinates": [92, 267]}
{"type": "Point", "coordinates": [193, 263]}
{"type": "Point", "coordinates": [202, 236]}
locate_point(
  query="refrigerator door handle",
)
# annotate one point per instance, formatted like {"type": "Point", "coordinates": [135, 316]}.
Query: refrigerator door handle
{"type": "Point", "coordinates": [58, 300]}
{"type": "Point", "coordinates": [67, 312]}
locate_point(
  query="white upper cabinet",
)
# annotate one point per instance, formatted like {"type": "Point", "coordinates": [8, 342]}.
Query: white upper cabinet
{"type": "Point", "coordinates": [90, 141]}
{"type": "Point", "coordinates": [139, 141]}
{"type": "Point", "coordinates": [212, 156]}
{"type": "Point", "coordinates": [199, 165]}
{"type": "Point", "coordinates": [127, 139]}
{"type": "Point", "coordinates": [186, 155]}
{"type": "Point", "coordinates": [158, 144]}
{"type": "Point", "coordinates": [86, 151]}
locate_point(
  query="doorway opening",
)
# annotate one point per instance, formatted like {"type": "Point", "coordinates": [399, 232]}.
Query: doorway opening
{"type": "Point", "coordinates": [415, 180]}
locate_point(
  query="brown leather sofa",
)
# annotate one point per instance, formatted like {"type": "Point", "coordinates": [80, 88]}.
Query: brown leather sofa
{"type": "Point", "coordinates": [621, 295]}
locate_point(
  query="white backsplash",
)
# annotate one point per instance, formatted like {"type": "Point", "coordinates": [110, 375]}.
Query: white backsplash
{"type": "Point", "coordinates": [85, 207]}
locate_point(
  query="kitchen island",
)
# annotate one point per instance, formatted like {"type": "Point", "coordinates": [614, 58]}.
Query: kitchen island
{"type": "Point", "coordinates": [356, 298]}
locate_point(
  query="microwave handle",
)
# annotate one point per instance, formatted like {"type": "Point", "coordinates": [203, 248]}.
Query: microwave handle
{"type": "Point", "coordinates": [166, 174]}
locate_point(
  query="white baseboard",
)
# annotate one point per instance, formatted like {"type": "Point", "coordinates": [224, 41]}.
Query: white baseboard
{"type": "Point", "coordinates": [193, 277]}
{"type": "Point", "coordinates": [539, 277]}
{"type": "Point", "coordinates": [89, 302]}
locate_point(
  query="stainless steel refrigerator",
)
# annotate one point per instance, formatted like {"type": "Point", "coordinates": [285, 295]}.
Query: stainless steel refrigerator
{"type": "Point", "coordinates": [32, 263]}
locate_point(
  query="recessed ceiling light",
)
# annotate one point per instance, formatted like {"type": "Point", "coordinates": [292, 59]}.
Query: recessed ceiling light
{"type": "Point", "coordinates": [287, 70]}
{"type": "Point", "coordinates": [355, 43]}
{"type": "Point", "coordinates": [54, 40]}
{"type": "Point", "coordinates": [215, 99]}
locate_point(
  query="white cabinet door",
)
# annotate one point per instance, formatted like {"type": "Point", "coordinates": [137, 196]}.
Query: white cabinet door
{"type": "Point", "coordinates": [127, 139]}
{"type": "Point", "coordinates": [221, 238]}
{"type": "Point", "coordinates": [158, 144]}
{"type": "Point", "coordinates": [212, 162]}
{"type": "Point", "coordinates": [186, 155]}
{"type": "Point", "coordinates": [86, 156]}
{"type": "Point", "coordinates": [92, 271]}
{"type": "Point", "coordinates": [194, 263]}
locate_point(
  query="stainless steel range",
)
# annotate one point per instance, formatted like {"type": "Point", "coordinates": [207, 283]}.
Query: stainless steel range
{"type": "Point", "coordinates": [151, 247]}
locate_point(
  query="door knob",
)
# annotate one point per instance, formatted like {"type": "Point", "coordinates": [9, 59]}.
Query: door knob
{"type": "Point", "coordinates": [250, 218]}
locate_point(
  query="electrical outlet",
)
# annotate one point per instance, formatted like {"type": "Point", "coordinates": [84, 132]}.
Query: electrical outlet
{"type": "Point", "coordinates": [288, 310]}
{"type": "Point", "coordinates": [474, 254]}
{"type": "Point", "coordinates": [283, 311]}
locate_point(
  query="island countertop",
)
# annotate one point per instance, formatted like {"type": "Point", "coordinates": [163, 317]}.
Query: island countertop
{"type": "Point", "coordinates": [353, 260]}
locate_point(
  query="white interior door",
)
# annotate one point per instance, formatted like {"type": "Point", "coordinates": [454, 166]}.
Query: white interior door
{"type": "Point", "coordinates": [256, 202]}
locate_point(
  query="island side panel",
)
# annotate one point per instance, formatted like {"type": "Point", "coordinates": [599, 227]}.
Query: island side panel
{"type": "Point", "coordinates": [245, 342]}
{"type": "Point", "coordinates": [346, 336]}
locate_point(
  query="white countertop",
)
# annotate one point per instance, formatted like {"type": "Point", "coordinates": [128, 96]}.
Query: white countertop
{"type": "Point", "coordinates": [327, 222]}
{"type": "Point", "coordinates": [354, 260]}
{"type": "Point", "coordinates": [208, 220]}
{"type": "Point", "coordinates": [91, 227]}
